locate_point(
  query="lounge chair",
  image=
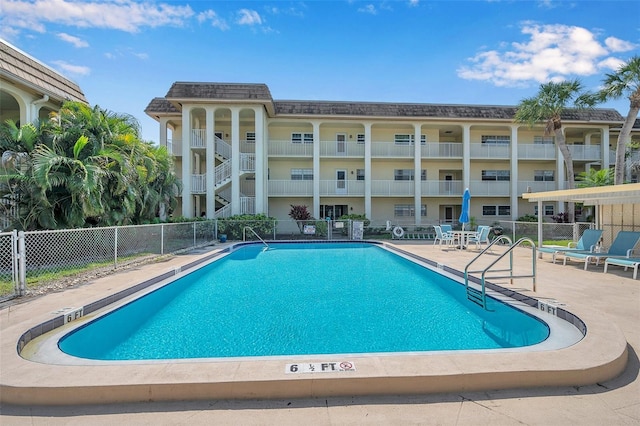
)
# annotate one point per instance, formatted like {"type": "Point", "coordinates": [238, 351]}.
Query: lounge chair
{"type": "Point", "coordinates": [446, 229]}
{"type": "Point", "coordinates": [587, 242]}
{"type": "Point", "coordinates": [622, 246]}
{"type": "Point", "coordinates": [443, 237]}
{"type": "Point", "coordinates": [627, 262]}
{"type": "Point", "coordinates": [481, 237]}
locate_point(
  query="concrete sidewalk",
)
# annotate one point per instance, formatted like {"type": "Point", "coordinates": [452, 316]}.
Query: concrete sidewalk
{"type": "Point", "coordinates": [613, 296]}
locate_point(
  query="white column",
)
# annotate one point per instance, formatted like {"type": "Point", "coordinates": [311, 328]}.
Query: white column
{"type": "Point", "coordinates": [187, 198]}
{"type": "Point", "coordinates": [235, 160]}
{"type": "Point", "coordinates": [466, 156]}
{"type": "Point", "coordinates": [210, 161]}
{"type": "Point", "coordinates": [368, 172]}
{"type": "Point", "coordinates": [316, 169]}
{"type": "Point", "coordinates": [514, 172]}
{"type": "Point", "coordinates": [604, 148]}
{"type": "Point", "coordinates": [162, 140]}
{"type": "Point", "coordinates": [417, 173]}
{"type": "Point", "coordinates": [261, 161]}
{"type": "Point", "coordinates": [562, 176]}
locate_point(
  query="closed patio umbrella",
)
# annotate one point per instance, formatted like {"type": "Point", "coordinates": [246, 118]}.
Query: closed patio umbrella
{"type": "Point", "coordinates": [466, 201]}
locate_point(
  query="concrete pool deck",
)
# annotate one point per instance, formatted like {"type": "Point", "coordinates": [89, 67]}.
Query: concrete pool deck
{"type": "Point", "coordinates": [608, 303]}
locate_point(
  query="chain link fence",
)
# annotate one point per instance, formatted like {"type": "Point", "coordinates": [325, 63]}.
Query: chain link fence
{"type": "Point", "coordinates": [54, 255]}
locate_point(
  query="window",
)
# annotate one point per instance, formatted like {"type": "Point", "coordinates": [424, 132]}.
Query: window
{"type": "Point", "coordinates": [251, 137]}
{"type": "Point", "coordinates": [301, 174]}
{"type": "Point", "coordinates": [407, 174]}
{"type": "Point", "coordinates": [546, 140]}
{"type": "Point", "coordinates": [360, 174]}
{"type": "Point", "coordinates": [360, 138]}
{"type": "Point", "coordinates": [496, 210]}
{"type": "Point", "coordinates": [496, 175]}
{"type": "Point", "coordinates": [408, 139]}
{"type": "Point", "coordinates": [408, 210]}
{"type": "Point", "coordinates": [301, 137]}
{"type": "Point", "coordinates": [548, 210]}
{"type": "Point", "coordinates": [543, 175]}
{"type": "Point", "coordinates": [494, 140]}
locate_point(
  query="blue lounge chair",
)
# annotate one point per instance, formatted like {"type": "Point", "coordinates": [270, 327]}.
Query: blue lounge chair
{"type": "Point", "coordinates": [627, 262]}
{"type": "Point", "coordinates": [622, 246]}
{"type": "Point", "coordinates": [587, 242]}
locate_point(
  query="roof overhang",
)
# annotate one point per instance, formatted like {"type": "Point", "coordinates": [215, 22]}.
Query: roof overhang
{"type": "Point", "coordinates": [594, 196]}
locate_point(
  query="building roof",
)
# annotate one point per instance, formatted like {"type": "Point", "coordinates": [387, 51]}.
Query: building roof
{"type": "Point", "coordinates": [594, 196]}
{"type": "Point", "coordinates": [19, 66]}
{"type": "Point", "coordinates": [259, 93]}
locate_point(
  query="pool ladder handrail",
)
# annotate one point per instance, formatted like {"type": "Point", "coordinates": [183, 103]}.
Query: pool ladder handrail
{"type": "Point", "coordinates": [480, 296]}
{"type": "Point", "coordinates": [244, 236]}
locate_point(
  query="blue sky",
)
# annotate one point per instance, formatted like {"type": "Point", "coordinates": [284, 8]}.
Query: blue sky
{"type": "Point", "coordinates": [123, 53]}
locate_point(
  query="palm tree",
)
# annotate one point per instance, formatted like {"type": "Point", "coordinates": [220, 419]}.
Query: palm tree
{"type": "Point", "coordinates": [594, 177]}
{"type": "Point", "coordinates": [625, 81]}
{"type": "Point", "coordinates": [547, 107]}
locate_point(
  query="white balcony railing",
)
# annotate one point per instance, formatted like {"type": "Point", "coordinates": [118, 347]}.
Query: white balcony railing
{"type": "Point", "coordinates": [294, 188]}
{"type": "Point", "coordinates": [536, 186]}
{"type": "Point", "coordinates": [198, 138]}
{"type": "Point", "coordinates": [341, 149]}
{"type": "Point", "coordinates": [222, 172]}
{"type": "Point", "coordinates": [493, 151]}
{"type": "Point", "coordinates": [390, 149]}
{"type": "Point", "coordinates": [342, 187]}
{"type": "Point", "coordinates": [441, 150]}
{"type": "Point", "coordinates": [392, 188]}
{"type": "Point", "coordinates": [537, 151]}
{"type": "Point", "coordinates": [223, 148]}
{"type": "Point", "coordinates": [489, 188]}
{"type": "Point", "coordinates": [442, 188]}
{"type": "Point", "coordinates": [247, 205]}
{"type": "Point", "coordinates": [247, 162]}
{"type": "Point", "coordinates": [289, 149]}
{"type": "Point", "coordinates": [198, 184]}
{"type": "Point", "coordinates": [585, 152]}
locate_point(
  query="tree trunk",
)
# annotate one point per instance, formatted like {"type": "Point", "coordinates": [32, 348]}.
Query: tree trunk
{"type": "Point", "coordinates": [568, 162]}
{"type": "Point", "coordinates": [623, 139]}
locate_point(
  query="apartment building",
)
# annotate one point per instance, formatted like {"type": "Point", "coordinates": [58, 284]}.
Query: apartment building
{"type": "Point", "coordinates": [29, 89]}
{"type": "Point", "coordinates": [239, 151]}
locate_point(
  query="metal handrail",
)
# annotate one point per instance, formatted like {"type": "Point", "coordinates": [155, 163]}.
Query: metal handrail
{"type": "Point", "coordinates": [484, 271]}
{"type": "Point", "coordinates": [254, 233]}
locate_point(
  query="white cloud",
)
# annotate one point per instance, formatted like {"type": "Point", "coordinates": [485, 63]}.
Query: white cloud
{"type": "Point", "coordinates": [551, 53]}
{"type": "Point", "coordinates": [76, 41]}
{"type": "Point", "coordinates": [123, 15]}
{"type": "Point", "coordinates": [249, 17]}
{"type": "Point", "coordinates": [216, 21]}
{"type": "Point", "coordinates": [371, 9]}
{"type": "Point", "coordinates": [67, 68]}
{"type": "Point", "coordinates": [414, 2]}
{"type": "Point", "coordinates": [616, 45]}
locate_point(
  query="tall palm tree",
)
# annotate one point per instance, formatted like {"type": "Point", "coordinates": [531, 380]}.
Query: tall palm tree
{"type": "Point", "coordinates": [625, 81]}
{"type": "Point", "coordinates": [547, 107]}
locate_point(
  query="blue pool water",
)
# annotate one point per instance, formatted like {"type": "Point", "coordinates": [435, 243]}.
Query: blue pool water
{"type": "Point", "coordinates": [297, 299]}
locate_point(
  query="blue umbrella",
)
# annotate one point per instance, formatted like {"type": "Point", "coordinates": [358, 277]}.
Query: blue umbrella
{"type": "Point", "coordinates": [466, 201]}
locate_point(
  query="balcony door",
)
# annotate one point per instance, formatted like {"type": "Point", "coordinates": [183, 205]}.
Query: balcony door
{"type": "Point", "coordinates": [341, 143]}
{"type": "Point", "coordinates": [341, 182]}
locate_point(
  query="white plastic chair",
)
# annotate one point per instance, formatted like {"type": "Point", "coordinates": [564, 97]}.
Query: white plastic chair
{"type": "Point", "coordinates": [480, 237]}
{"type": "Point", "coordinates": [442, 237]}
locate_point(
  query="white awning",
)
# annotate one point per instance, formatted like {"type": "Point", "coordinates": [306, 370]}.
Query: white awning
{"type": "Point", "coordinates": [594, 196]}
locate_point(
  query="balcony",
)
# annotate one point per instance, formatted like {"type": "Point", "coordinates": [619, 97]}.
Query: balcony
{"type": "Point", "coordinates": [198, 184]}
{"type": "Point", "coordinates": [537, 151]}
{"type": "Point", "coordinates": [490, 188]}
{"type": "Point", "coordinates": [441, 150]}
{"type": "Point", "coordinates": [198, 138]}
{"type": "Point", "coordinates": [354, 188]}
{"type": "Point", "coordinates": [392, 188]}
{"type": "Point", "coordinates": [491, 151]}
{"type": "Point", "coordinates": [341, 149]}
{"type": "Point", "coordinates": [585, 152]}
{"type": "Point", "coordinates": [290, 188]}
{"type": "Point", "coordinates": [536, 186]}
{"type": "Point", "coordinates": [289, 149]}
{"type": "Point", "coordinates": [435, 188]}
{"type": "Point", "coordinates": [391, 149]}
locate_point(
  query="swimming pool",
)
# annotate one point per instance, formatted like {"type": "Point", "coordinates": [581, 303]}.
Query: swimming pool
{"type": "Point", "coordinates": [303, 299]}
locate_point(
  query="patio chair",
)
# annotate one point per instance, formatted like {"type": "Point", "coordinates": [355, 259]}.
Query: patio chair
{"type": "Point", "coordinates": [627, 262]}
{"type": "Point", "coordinates": [622, 246]}
{"type": "Point", "coordinates": [587, 242]}
{"type": "Point", "coordinates": [442, 237]}
{"type": "Point", "coordinates": [446, 229]}
{"type": "Point", "coordinates": [481, 237]}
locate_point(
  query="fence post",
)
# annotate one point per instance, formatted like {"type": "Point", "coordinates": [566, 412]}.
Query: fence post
{"type": "Point", "coordinates": [162, 238]}
{"type": "Point", "coordinates": [115, 248]}
{"type": "Point", "coordinates": [22, 265]}
{"type": "Point", "coordinates": [275, 224]}
{"type": "Point", "coordinates": [194, 234]}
